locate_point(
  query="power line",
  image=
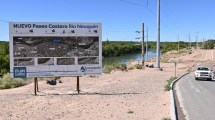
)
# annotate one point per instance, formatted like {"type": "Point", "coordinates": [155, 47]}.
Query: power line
{"type": "Point", "coordinates": [163, 23]}
{"type": "Point", "coordinates": [133, 3]}
{"type": "Point", "coordinates": [169, 15]}
{"type": "Point", "coordinates": [173, 15]}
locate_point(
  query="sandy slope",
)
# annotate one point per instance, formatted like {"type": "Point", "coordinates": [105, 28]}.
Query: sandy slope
{"type": "Point", "coordinates": [132, 95]}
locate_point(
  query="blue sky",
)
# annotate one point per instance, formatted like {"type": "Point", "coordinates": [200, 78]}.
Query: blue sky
{"type": "Point", "coordinates": [120, 18]}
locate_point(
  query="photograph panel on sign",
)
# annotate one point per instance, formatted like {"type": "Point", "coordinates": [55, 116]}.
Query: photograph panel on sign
{"type": "Point", "coordinates": [45, 61]}
{"type": "Point", "coordinates": [65, 61]}
{"type": "Point", "coordinates": [88, 60]}
{"type": "Point", "coordinates": [24, 62]}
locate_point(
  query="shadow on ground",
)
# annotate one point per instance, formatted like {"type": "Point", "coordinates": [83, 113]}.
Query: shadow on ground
{"type": "Point", "coordinates": [87, 93]}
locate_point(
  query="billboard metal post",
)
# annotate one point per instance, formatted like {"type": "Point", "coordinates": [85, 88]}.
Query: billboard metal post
{"type": "Point", "coordinates": [35, 86]}
{"type": "Point", "coordinates": [78, 84]}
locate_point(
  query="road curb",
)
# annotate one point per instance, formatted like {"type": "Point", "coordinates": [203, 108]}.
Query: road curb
{"type": "Point", "coordinates": [173, 110]}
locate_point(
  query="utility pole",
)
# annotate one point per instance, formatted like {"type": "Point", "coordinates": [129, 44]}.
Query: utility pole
{"type": "Point", "coordinates": [203, 44]}
{"type": "Point", "coordinates": [189, 44]}
{"type": "Point", "coordinates": [143, 46]}
{"type": "Point", "coordinates": [158, 39]}
{"type": "Point", "coordinates": [178, 43]}
{"type": "Point", "coordinates": [197, 37]}
{"type": "Point", "coordinates": [207, 43]}
{"type": "Point", "coordinates": [147, 45]}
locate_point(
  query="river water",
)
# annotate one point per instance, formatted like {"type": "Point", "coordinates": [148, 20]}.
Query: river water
{"type": "Point", "coordinates": [126, 58]}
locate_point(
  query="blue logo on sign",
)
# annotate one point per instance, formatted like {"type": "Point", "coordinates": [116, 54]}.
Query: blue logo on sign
{"type": "Point", "coordinates": [83, 69]}
{"type": "Point", "coordinates": [19, 72]}
{"type": "Point", "coordinates": [56, 41]}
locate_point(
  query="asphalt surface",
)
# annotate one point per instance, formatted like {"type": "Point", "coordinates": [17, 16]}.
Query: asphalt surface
{"type": "Point", "coordinates": [196, 97]}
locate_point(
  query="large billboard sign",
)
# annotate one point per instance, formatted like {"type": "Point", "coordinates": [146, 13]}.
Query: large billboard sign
{"type": "Point", "coordinates": [44, 49]}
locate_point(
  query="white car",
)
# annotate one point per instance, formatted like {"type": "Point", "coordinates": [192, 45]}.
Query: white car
{"type": "Point", "coordinates": [151, 65]}
{"type": "Point", "coordinates": [203, 73]}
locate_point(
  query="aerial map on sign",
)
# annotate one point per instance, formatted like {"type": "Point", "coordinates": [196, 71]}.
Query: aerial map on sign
{"type": "Point", "coordinates": [25, 47]}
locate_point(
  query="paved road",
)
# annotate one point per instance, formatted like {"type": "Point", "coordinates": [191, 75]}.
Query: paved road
{"type": "Point", "coordinates": [197, 98]}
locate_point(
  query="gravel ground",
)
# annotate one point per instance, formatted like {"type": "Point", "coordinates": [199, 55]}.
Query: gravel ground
{"type": "Point", "coordinates": [132, 95]}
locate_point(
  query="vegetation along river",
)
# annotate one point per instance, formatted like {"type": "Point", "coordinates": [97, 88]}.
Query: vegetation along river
{"type": "Point", "coordinates": [124, 59]}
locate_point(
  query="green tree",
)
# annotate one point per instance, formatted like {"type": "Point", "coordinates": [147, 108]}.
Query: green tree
{"type": "Point", "coordinates": [4, 57]}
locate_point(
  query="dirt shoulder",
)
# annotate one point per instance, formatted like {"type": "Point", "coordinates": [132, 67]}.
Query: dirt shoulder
{"type": "Point", "coordinates": [136, 94]}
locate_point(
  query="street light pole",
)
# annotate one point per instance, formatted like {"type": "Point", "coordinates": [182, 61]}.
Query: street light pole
{"type": "Point", "coordinates": [178, 44]}
{"type": "Point", "coordinates": [190, 41]}
{"type": "Point", "coordinates": [147, 45]}
{"type": "Point", "coordinates": [158, 39]}
{"type": "Point", "coordinates": [143, 46]}
{"type": "Point", "coordinates": [197, 37]}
